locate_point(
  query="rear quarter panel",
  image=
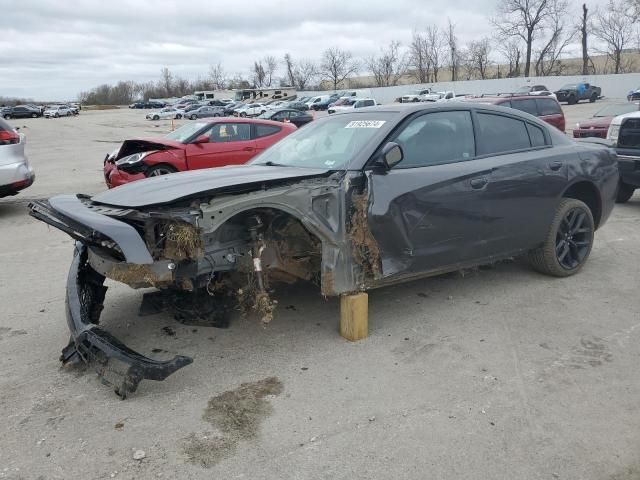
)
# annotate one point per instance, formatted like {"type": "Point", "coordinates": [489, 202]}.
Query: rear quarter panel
{"type": "Point", "coordinates": [598, 165]}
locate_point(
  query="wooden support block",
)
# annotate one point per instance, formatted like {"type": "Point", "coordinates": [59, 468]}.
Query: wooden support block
{"type": "Point", "coordinates": [354, 316]}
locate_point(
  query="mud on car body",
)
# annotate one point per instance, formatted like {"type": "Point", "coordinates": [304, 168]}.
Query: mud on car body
{"type": "Point", "coordinates": [351, 202]}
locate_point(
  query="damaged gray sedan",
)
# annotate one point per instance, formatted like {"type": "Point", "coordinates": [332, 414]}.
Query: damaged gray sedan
{"type": "Point", "coordinates": [350, 202]}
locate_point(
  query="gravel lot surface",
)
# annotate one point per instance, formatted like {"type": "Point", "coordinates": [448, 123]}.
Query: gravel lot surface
{"type": "Point", "coordinates": [498, 374]}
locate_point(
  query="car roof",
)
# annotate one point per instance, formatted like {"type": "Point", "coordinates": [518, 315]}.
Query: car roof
{"type": "Point", "coordinates": [496, 99]}
{"type": "Point", "coordinates": [624, 116]}
{"type": "Point", "coordinates": [260, 121]}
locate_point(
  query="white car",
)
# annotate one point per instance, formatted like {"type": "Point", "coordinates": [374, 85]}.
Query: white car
{"type": "Point", "coordinates": [614, 126]}
{"type": "Point", "coordinates": [350, 103]}
{"type": "Point", "coordinates": [167, 112]}
{"type": "Point", "coordinates": [15, 172]}
{"type": "Point", "coordinates": [318, 99]}
{"type": "Point", "coordinates": [416, 95]}
{"type": "Point", "coordinates": [250, 110]}
{"type": "Point", "coordinates": [58, 111]}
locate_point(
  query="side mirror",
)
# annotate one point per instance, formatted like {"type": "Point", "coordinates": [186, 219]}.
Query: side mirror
{"type": "Point", "coordinates": [202, 139]}
{"type": "Point", "coordinates": [391, 155]}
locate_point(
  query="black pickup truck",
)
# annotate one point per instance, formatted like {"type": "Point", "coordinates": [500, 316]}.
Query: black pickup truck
{"type": "Point", "coordinates": [572, 93]}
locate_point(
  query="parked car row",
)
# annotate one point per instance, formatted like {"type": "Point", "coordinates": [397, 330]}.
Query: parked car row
{"type": "Point", "coordinates": [35, 111]}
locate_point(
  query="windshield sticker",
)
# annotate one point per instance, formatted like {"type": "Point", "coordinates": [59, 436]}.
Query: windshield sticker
{"type": "Point", "coordinates": [365, 124]}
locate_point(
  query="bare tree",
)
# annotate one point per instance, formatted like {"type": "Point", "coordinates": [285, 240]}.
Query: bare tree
{"type": "Point", "coordinates": [217, 76]}
{"type": "Point", "coordinates": [258, 74]}
{"type": "Point", "coordinates": [614, 27]}
{"type": "Point", "coordinates": [557, 40]}
{"type": "Point", "coordinates": [166, 81]}
{"type": "Point", "coordinates": [454, 55]}
{"type": "Point", "coordinates": [388, 67]}
{"type": "Point", "coordinates": [337, 65]}
{"type": "Point", "coordinates": [270, 67]}
{"type": "Point", "coordinates": [305, 72]}
{"type": "Point", "coordinates": [419, 55]}
{"type": "Point", "coordinates": [436, 45]}
{"type": "Point", "coordinates": [513, 54]}
{"type": "Point", "coordinates": [478, 57]}
{"type": "Point", "coordinates": [523, 19]}
{"type": "Point", "coordinates": [288, 63]}
{"type": "Point", "coordinates": [584, 27]}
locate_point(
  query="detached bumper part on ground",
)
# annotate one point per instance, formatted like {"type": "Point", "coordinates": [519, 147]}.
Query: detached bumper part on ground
{"type": "Point", "coordinates": [117, 364]}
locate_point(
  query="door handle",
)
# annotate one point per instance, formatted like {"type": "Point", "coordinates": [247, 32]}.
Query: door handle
{"type": "Point", "coordinates": [248, 149]}
{"type": "Point", "coordinates": [555, 166]}
{"type": "Point", "coordinates": [478, 183]}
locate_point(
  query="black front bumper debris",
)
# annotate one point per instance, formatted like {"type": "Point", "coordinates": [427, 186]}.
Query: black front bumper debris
{"type": "Point", "coordinates": [116, 364]}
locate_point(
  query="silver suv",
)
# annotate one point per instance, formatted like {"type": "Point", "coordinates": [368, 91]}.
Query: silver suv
{"type": "Point", "coordinates": [15, 172]}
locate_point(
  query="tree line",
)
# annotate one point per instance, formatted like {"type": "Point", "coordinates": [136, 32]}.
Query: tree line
{"type": "Point", "coordinates": [530, 38]}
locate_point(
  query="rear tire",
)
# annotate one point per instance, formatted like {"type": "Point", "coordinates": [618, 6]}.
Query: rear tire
{"type": "Point", "coordinates": [34, 115]}
{"type": "Point", "coordinates": [158, 170]}
{"type": "Point", "coordinates": [242, 114]}
{"type": "Point", "coordinates": [569, 240]}
{"type": "Point", "coordinates": [415, 100]}
{"type": "Point", "coordinates": [7, 117]}
{"type": "Point", "coordinates": [156, 117]}
{"type": "Point", "coordinates": [625, 192]}
{"type": "Point", "coordinates": [178, 116]}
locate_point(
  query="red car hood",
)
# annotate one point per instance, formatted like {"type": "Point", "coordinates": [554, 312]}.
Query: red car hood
{"type": "Point", "coordinates": [596, 122]}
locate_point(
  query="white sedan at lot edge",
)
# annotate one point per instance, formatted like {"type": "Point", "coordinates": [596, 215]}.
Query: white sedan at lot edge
{"type": "Point", "coordinates": [58, 111]}
{"type": "Point", "coordinates": [348, 104]}
{"type": "Point", "coordinates": [250, 110]}
{"type": "Point", "coordinates": [167, 112]}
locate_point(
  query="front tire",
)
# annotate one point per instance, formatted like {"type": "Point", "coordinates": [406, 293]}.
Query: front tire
{"type": "Point", "coordinates": [193, 117]}
{"type": "Point", "coordinates": [156, 117]}
{"type": "Point", "coordinates": [593, 98]}
{"type": "Point", "coordinates": [178, 116]}
{"type": "Point", "coordinates": [569, 240]}
{"type": "Point", "coordinates": [625, 192]}
{"type": "Point", "coordinates": [415, 100]}
{"type": "Point", "coordinates": [34, 115]}
{"type": "Point", "coordinates": [572, 100]}
{"type": "Point", "coordinates": [7, 117]}
{"type": "Point", "coordinates": [158, 170]}
{"type": "Point", "coordinates": [243, 114]}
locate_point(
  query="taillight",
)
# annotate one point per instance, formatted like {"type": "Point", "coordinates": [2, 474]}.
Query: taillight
{"type": "Point", "coordinates": [8, 137]}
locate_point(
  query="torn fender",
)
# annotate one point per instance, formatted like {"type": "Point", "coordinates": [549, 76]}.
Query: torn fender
{"type": "Point", "coordinates": [116, 364]}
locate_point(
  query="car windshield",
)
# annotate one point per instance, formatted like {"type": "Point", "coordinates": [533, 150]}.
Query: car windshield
{"type": "Point", "coordinates": [615, 110]}
{"type": "Point", "coordinates": [185, 132]}
{"type": "Point", "coordinates": [331, 143]}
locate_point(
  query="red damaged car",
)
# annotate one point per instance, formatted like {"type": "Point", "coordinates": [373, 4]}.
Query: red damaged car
{"type": "Point", "coordinates": [598, 125]}
{"type": "Point", "coordinates": [202, 144]}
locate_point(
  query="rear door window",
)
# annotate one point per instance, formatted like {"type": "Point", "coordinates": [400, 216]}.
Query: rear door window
{"type": "Point", "coordinates": [536, 135]}
{"type": "Point", "coordinates": [548, 106]}
{"type": "Point", "coordinates": [526, 105]}
{"type": "Point", "coordinates": [498, 134]}
{"type": "Point", "coordinates": [266, 130]}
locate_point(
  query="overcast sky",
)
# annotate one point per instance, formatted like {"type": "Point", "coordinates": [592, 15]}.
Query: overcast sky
{"type": "Point", "coordinates": [53, 49]}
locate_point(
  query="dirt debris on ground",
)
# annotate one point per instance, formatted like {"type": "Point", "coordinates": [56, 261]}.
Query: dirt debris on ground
{"type": "Point", "coordinates": [237, 414]}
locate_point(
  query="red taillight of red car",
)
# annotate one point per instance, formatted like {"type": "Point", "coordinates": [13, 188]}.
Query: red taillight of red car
{"type": "Point", "coordinates": [9, 137]}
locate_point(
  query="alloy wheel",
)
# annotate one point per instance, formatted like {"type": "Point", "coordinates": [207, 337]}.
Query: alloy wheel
{"type": "Point", "coordinates": [573, 238]}
{"type": "Point", "coordinates": [160, 171]}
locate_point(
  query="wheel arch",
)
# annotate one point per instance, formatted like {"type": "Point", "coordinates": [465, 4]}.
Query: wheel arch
{"type": "Point", "coordinates": [587, 192]}
{"type": "Point", "coordinates": [333, 280]}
